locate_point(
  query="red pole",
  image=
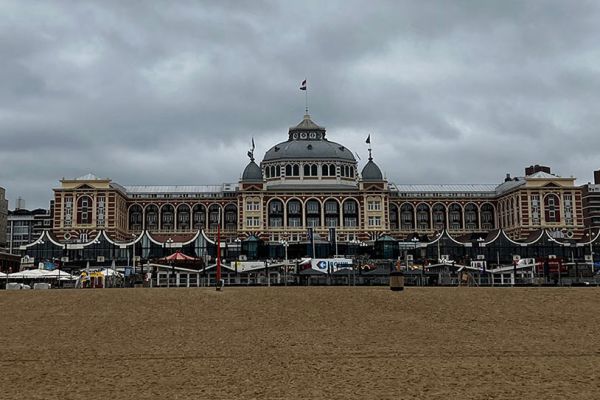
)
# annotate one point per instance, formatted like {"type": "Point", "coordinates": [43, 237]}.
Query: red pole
{"type": "Point", "coordinates": [219, 252]}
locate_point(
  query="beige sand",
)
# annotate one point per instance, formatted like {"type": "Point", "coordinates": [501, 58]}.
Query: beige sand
{"type": "Point", "coordinates": [301, 343]}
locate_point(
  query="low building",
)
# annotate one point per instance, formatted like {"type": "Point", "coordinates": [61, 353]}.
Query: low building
{"type": "Point", "coordinates": [591, 202]}
{"type": "Point", "coordinates": [3, 216]}
{"type": "Point", "coordinates": [24, 226]}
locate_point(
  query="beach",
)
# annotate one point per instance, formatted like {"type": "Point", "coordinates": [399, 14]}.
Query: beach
{"type": "Point", "coordinates": [301, 342]}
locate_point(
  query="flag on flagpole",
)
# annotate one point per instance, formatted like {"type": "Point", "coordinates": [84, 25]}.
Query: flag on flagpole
{"type": "Point", "coordinates": [303, 85]}
{"type": "Point", "coordinates": [368, 141]}
{"type": "Point", "coordinates": [253, 144]}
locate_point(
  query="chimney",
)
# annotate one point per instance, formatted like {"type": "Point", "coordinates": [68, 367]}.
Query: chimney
{"type": "Point", "coordinates": [597, 177]}
{"type": "Point", "coordinates": [507, 179]}
{"type": "Point", "coordinates": [532, 169]}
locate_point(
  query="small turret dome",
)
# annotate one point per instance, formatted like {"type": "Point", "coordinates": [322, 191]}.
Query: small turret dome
{"type": "Point", "coordinates": [371, 172]}
{"type": "Point", "coordinates": [252, 173]}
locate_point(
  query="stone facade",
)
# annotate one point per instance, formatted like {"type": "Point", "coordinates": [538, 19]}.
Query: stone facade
{"type": "Point", "coordinates": [309, 181]}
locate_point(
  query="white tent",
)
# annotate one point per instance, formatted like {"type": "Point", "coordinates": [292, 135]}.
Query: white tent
{"type": "Point", "coordinates": [58, 274]}
{"type": "Point", "coordinates": [41, 274]}
{"type": "Point", "coordinates": [29, 274]}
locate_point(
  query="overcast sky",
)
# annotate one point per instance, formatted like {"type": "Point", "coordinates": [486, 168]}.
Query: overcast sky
{"type": "Point", "coordinates": [173, 92]}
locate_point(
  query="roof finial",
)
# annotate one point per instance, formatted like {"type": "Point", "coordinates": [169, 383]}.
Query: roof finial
{"type": "Point", "coordinates": [305, 88]}
{"type": "Point", "coordinates": [251, 152]}
{"type": "Point", "coordinates": [368, 141]}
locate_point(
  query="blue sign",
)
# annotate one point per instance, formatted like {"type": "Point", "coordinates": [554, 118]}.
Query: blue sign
{"type": "Point", "coordinates": [322, 265]}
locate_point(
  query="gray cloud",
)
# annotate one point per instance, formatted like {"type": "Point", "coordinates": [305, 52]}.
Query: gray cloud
{"type": "Point", "coordinates": [171, 93]}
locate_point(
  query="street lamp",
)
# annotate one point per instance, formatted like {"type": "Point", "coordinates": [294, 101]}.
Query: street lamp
{"type": "Point", "coordinates": [169, 243]}
{"type": "Point", "coordinates": [415, 240]}
{"type": "Point", "coordinates": [591, 249]}
{"type": "Point", "coordinates": [480, 240]}
{"type": "Point", "coordinates": [285, 245]}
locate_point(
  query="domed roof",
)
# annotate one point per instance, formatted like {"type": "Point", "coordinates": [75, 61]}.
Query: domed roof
{"type": "Point", "coordinates": [308, 149]}
{"type": "Point", "coordinates": [371, 172]}
{"type": "Point", "coordinates": [307, 141]}
{"type": "Point", "coordinates": [252, 173]}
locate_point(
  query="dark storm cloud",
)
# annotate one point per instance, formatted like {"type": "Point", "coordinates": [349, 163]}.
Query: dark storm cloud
{"type": "Point", "coordinates": [172, 92]}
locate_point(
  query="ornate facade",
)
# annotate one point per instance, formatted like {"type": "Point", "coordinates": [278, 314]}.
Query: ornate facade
{"type": "Point", "coordinates": [308, 181]}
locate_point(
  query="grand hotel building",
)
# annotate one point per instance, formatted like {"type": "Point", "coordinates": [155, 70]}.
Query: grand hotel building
{"type": "Point", "coordinates": [309, 181]}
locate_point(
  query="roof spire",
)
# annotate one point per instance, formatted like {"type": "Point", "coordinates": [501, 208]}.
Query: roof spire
{"type": "Point", "coordinates": [251, 151]}
{"type": "Point", "coordinates": [368, 141]}
{"type": "Point", "coordinates": [305, 89]}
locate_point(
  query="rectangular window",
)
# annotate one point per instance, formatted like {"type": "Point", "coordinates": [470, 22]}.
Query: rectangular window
{"type": "Point", "coordinates": [350, 207]}
{"type": "Point", "coordinates": [294, 222]}
{"type": "Point", "coordinates": [253, 206]}
{"type": "Point", "coordinates": [275, 222]}
{"type": "Point", "coordinates": [350, 222]}
{"type": "Point", "coordinates": [253, 221]}
{"type": "Point", "coordinates": [312, 207]}
{"type": "Point", "coordinates": [373, 205]}
{"type": "Point", "coordinates": [313, 221]}
{"type": "Point", "coordinates": [294, 208]}
{"type": "Point", "coordinates": [331, 222]}
{"type": "Point", "coordinates": [374, 221]}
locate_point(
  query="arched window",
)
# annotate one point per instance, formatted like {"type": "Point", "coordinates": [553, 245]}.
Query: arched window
{"type": "Point", "coordinates": [423, 217]}
{"type": "Point", "coordinates": [552, 208]}
{"type": "Point", "coordinates": [214, 213]}
{"type": "Point", "coordinates": [455, 215]}
{"type": "Point", "coordinates": [471, 220]}
{"type": "Point", "coordinates": [332, 213]}
{"type": "Point", "coordinates": [294, 214]}
{"type": "Point", "coordinates": [288, 170]}
{"type": "Point", "coordinates": [325, 170]}
{"type": "Point", "coordinates": [296, 170]}
{"type": "Point", "coordinates": [407, 217]}
{"type": "Point", "coordinates": [199, 216]}
{"type": "Point", "coordinates": [135, 218]}
{"type": "Point", "coordinates": [267, 172]}
{"type": "Point", "coordinates": [313, 213]}
{"type": "Point", "coordinates": [183, 217]}
{"type": "Point", "coordinates": [231, 217]}
{"type": "Point", "coordinates": [84, 210]}
{"type": "Point", "coordinates": [394, 223]}
{"type": "Point", "coordinates": [275, 213]}
{"type": "Point", "coordinates": [487, 216]}
{"type": "Point", "coordinates": [350, 210]}
{"type": "Point", "coordinates": [306, 170]}
{"type": "Point", "coordinates": [439, 217]}
{"type": "Point", "coordinates": [167, 218]}
{"type": "Point", "coordinates": [314, 170]}
{"type": "Point", "coordinates": [151, 217]}
{"type": "Point", "coordinates": [331, 170]}
{"type": "Point", "coordinates": [277, 171]}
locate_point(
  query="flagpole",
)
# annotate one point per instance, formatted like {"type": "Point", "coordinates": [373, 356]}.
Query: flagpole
{"type": "Point", "coordinates": [306, 99]}
{"type": "Point", "coordinates": [218, 283]}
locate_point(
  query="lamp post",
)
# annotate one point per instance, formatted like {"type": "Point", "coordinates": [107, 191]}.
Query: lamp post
{"type": "Point", "coordinates": [415, 240]}
{"type": "Point", "coordinates": [591, 249]}
{"type": "Point", "coordinates": [285, 245]}
{"type": "Point", "coordinates": [169, 243]}
{"type": "Point", "coordinates": [480, 240]}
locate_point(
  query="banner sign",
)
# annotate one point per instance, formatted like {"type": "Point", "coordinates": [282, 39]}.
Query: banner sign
{"type": "Point", "coordinates": [329, 265]}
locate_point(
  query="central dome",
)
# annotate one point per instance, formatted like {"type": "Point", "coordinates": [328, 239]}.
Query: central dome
{"type": "Point", "coordinates": [307, 142]}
